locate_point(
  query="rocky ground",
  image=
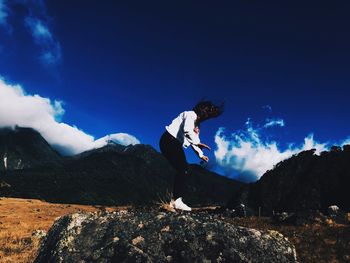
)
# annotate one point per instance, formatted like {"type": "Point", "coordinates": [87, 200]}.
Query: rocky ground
{"type": "Point", "coordinates": [317, 243]}
{"type": "Point", "coordinates": [23, 223]}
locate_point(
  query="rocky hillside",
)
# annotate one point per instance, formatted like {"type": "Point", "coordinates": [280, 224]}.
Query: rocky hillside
{"type": "Point", "coordinates": [111, 175]}
{"type": "Point", "coordinates": [305, 181]}
{"type": "Point", "coordinates": [22, 148]}
{"type": "Point", "coordinates": [153, 236]}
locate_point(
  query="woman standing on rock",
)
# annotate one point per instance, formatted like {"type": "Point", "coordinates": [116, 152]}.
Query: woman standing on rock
{"type": "Point", "coordinates": [183, 132]}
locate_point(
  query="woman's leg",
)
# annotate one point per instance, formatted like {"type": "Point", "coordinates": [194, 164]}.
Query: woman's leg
{"type": "Point", "coordinates": [172, 150]}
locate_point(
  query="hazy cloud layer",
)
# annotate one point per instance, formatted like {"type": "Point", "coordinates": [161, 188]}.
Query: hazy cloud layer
{"type": "Point", "coordinates": [3, 13]}
{"type": "Point", "coordinates": [121, 138]}
{"type": "Point", "coordinates": [274, 122]}
{"type": "Point", "coordinates": [42, 114]}
{"type": "Point", "coordinates": [267, 107]}
{"type": "Point", "coordinates": [50, 52]}
{"type": "Point", "coordinates": [247, 155]}
{"type": "Point", "coordinates": [40, 32]}
{"type": "Point", "coordinates": [36, 21]}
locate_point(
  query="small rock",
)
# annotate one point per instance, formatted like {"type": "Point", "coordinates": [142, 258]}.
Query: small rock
{"type": "Point", "coordinates": [160, 216]}
{"type": "Point", "coordinates": [137, 240]}
{"type": "Point", "coordinates": [165, 229]}
{"type": "Point", "coordinates": [274, 233]}
{"type": "Point", "coordinates": [210, 236]}
{"type": "Point", "coordinates": [333, 210]}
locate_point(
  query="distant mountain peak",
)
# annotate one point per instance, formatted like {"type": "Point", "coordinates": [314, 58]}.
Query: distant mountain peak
{"type": "Point", "coordinates": [24, 147]}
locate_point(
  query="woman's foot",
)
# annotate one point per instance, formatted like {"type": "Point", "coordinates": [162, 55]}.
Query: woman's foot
{"type": "Point", "coordinates": [178, 204]}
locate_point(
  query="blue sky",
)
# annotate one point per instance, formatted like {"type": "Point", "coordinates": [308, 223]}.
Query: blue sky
{"type": "Point", "coordinates": [132, 66]}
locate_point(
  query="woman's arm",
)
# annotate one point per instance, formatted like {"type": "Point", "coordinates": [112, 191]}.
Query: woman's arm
{"type": "Point", "coordinates": [199, 153]}
{"type": "Point", "coordinates": [202, 145]}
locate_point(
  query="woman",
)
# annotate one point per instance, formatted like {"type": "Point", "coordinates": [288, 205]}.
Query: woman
{"type": "Point", "coordinates": [181, 133]}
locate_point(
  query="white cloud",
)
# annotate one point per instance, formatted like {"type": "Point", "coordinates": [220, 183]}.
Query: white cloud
{"type": "Point", "coordinates": [42, 114]}
{"type": "Point", "coordinates": [3, 13]}
{"type": "Point", "coordinates": [274, 122]}
{"type": "Point", "coordinates": [245, 155]}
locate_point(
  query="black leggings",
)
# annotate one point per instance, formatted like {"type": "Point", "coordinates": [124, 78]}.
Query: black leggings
{"type": "Point", "coordinates": [172, 150]}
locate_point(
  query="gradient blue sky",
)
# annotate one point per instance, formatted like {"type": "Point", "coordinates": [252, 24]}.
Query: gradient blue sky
{"type": "Point", "coordinates": [132, 66]}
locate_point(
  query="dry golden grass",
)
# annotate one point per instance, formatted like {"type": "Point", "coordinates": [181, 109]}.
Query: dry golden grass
{"type": "Point", "coordinates": [20, 217]}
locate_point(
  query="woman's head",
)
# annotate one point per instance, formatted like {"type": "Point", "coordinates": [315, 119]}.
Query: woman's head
{"type": "Point", "coordinates": [206, 110]}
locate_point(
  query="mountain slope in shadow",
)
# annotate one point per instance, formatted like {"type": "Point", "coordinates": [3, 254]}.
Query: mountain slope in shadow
{"type": "Point", "coordinates": [305, 181]}
{"type": "Point", "coordinates": [111, 175]}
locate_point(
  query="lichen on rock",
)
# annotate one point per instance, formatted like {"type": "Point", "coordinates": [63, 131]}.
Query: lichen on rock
{"type": "Point", "coordinates": [167, 237]}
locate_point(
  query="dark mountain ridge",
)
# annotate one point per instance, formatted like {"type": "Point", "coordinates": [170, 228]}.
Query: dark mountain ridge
{"type": "Point", "coordinates": [305, 181]}
{"type": "Point", "coordinates": [22, 148]}
{"type": "Point", "coordinates": [138, 174]}
{"type": "Point", "coordinates": [111, 175]}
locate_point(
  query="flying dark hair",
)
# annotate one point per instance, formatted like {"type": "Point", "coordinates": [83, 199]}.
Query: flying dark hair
{"type": "Point", "coordinates": [206, 109]}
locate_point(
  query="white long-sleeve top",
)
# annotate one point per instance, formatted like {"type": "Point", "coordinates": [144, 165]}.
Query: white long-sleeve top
{"type": "Point", "coordinates": [198, 150]}
{"type": "Point", "coordinates": [182, 128]}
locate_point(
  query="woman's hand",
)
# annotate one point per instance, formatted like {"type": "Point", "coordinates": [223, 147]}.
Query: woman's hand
{"type": "Point", "coordinates": [202, 145]}
{"type": "Point", "coordinates": [205, 158]}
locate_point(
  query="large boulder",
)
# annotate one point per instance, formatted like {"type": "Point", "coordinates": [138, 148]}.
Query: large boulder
{"type": "Point", "coordinates": [153, 236]}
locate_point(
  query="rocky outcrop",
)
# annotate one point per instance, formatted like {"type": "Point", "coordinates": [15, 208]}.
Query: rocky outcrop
{"type": "Point", "coordinates": [153, 236]}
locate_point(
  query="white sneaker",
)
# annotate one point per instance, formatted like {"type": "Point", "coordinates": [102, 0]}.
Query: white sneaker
{"type": "Point", "coordinates": [178, 204]}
